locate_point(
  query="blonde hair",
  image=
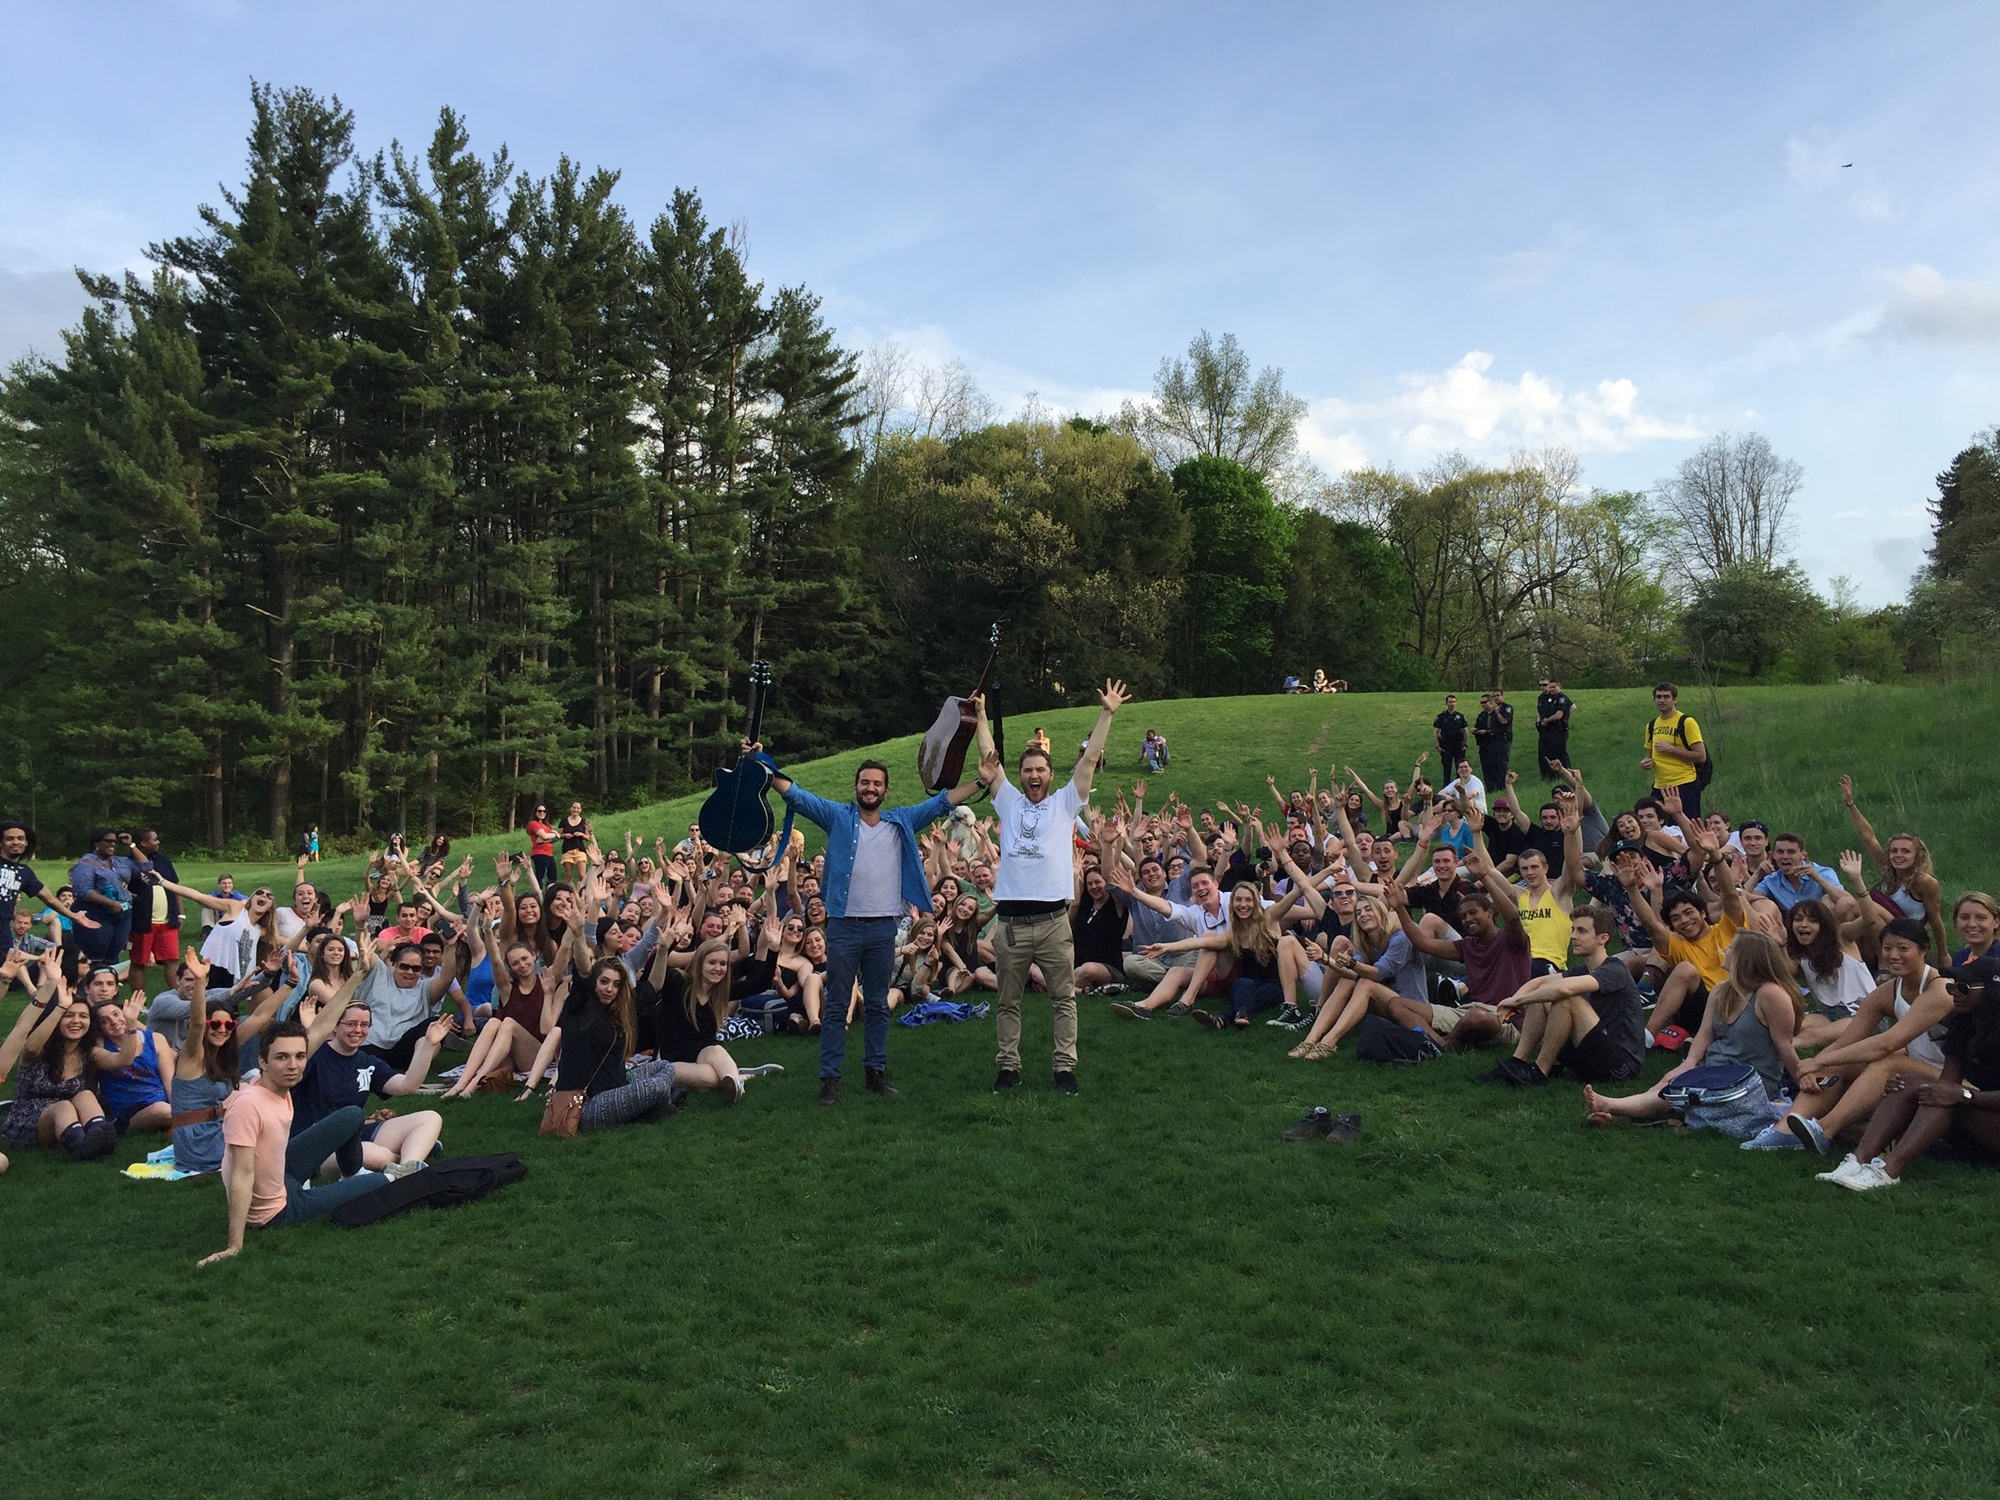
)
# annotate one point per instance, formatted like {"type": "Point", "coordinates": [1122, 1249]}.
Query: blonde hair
{"type": "Point", "coordinates": [1755, 960]}
{"type": "Point", "coordinates": [1920, 866]}
{"type": "Point", "coordinates": [1979, 899]}
{"type": "Point", "coordinates": [1372, 946]}
{"type": "Point", "coordinates": [699, 991]}
{"type": "Point", "coordinates": [1259, 934]}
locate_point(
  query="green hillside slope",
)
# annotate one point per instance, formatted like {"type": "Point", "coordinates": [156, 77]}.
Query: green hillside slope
{"type": "Point", "coordinates": [1916, 754]}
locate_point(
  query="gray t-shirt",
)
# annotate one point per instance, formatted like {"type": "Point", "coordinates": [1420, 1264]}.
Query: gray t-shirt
{"type": "Point", "coordinates": [875, 887]}
{"type": "Point", "coordinates": [394, 1010]}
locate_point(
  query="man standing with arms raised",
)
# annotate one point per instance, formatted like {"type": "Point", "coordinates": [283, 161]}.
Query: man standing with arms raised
{"type": "Point", "coordinates": [1035, 885]}
{"type": "Point", "coordinates": [873, 869]}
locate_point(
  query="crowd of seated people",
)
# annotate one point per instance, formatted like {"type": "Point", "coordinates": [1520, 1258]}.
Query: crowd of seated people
{"type": "Point", "coordinates": [1570, 940]}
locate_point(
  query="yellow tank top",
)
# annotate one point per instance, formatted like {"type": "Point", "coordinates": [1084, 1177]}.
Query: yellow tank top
{"type": "Point", "coordinates": [1547, 926]}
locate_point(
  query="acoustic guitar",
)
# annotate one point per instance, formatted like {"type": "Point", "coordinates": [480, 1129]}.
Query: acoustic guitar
{"type": "Point", "coordinates": [735, 818]}
{"type": "Point", "coordinates": [941, 757]}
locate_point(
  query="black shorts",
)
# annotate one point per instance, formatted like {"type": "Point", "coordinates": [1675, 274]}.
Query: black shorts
{"type": "Point", "coordinates": [1595, 1058]}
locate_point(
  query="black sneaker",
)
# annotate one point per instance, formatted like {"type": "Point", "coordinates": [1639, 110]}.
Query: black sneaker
{"type": "Point", "coordinates": [1345, 1127]}
{"type": "Point", "coordinates": [829, 1091]}
{"type": "Point", "coordinates": [1527, 1075]}
{"type": "Point", "coordinates": [100, 1139]}
{"type": "Point", "coordinates": [1008, 1079]}
{"type": "Point", "coordinates": [1131, 1012]}
{"type": "Point", "coordinates": [1066, 1083]}
{"type": "Point", "coordinates": [1500, 1072]}
{"type": "Point", "coordinates": [877, 1082]}
{"type": "Point", "coordinates": [1289, 1018]}
{"type": "Point", "coordinates": [1316, 1123]}
{"type": "Point", "coordinates": [1427, 1049]}
{"type": "Point", "coordinates": [1113, 989]}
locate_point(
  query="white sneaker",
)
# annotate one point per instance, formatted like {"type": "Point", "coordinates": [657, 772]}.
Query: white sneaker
{"type": "Point", "coordinates": [1871, 1176]}
{"type": "Point", "coordinates": [1847, 1168]}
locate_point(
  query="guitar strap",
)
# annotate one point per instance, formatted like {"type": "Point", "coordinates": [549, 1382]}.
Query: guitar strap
{"type": "Point", "coordinates": [785, 837]}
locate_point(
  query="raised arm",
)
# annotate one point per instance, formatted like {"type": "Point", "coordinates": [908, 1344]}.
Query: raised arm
{"type": "Point", "coordinates": [1368, 792]}
{"type": "Point", "coordinates": [1399, 903]}
{"type": "Point", "coordinates": [1862, 828]}
{"type": "Point", "coordinates": [1114, 697]}
{"type": "Point", "coordinates": [1638, 891]}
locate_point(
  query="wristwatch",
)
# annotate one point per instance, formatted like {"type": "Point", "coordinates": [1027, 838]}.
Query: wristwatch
{"type": "Point", "coordinates": [1967, 1092]}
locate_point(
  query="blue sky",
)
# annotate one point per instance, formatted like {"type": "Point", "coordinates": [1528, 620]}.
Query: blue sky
{"type": "Point", "coordinates": [1481, 227]}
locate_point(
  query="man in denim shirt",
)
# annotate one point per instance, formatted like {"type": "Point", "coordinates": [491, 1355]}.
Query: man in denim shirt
{"type": "Point", "coordinates": [96, 889]}
{"type": "Point", "coordinates": [873, 870]}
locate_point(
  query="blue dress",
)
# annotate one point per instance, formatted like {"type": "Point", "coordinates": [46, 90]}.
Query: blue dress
{"type": "Point", "coordinates": [198, 1148]}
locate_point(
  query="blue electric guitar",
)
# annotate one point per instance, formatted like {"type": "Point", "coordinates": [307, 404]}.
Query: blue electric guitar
{"type": "Point", "coordinates": [735, 818]}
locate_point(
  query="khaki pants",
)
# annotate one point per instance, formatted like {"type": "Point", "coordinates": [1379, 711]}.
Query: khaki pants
{"type": "Point", "coordinates": [1043, 941]}
{"type": "Point", "coordinates": [1144, 972]}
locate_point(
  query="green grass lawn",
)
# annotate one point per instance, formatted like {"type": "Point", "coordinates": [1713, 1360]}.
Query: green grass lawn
{"type": "Point", "coordinates": [1139, 1292]}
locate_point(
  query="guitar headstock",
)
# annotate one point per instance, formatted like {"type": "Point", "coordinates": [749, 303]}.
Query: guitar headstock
{"type": "Point", "coordinates": [760, 674]}
{"type": "Point", "coordinates": [993, 635]}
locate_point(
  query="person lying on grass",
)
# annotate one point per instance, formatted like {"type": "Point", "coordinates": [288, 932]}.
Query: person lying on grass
{"type": "Point", "coordinates": [1892, 1034]}
{"type": "Point", "coordinates": [1750, 1018]}
{"type": "Point", "coordinates": [1589, 1019]}
{"type": "Point", "coordinates": [1963, 1101]}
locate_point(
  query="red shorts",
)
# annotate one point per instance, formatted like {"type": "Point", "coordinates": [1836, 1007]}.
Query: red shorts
{"type": "Point", "coordinates": [1221, 976]}
{"type": "Point", "coordinates": [156, 945]}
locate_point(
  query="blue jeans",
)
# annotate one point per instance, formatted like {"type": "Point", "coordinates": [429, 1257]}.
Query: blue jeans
{"type": "Point", "coordinates": [338, 1136]}
{"type": "Point", "coordinates": [864, 946]}
{"type": "Point", "coordinates": [1249, 996]}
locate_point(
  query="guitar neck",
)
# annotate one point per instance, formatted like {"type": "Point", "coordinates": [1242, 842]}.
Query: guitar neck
{"type": "Point", "coordinates": [755, 733]}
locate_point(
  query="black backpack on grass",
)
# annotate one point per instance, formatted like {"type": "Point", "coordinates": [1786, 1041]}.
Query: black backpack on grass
{"type": "Point", "coordinates": [1380, 1040]}
{"type": "Point", "coordinates": [444, 1184]}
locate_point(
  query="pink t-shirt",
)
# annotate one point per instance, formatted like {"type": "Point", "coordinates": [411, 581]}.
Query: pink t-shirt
{"type": "Point", "coordinates": [259, 1121]}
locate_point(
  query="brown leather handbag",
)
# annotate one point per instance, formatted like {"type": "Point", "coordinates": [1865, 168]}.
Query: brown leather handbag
{"type": "Point", "coordinates": [562, 1114]}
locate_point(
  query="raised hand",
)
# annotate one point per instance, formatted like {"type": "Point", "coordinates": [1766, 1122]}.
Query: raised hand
{"type": "Point", "coordinates": [1670, 800]}
{"type": "Point", "coordinates": [1847, 790]}
{"type": "Point", "coordinates": [1851, 866]}
{"type": "Point", "coordinates": [1114, 696]}
{"type": "Point", "coordinates": [989, 767]}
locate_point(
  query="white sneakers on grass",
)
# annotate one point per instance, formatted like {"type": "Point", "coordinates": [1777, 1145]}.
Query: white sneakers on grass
{"type": "Point", "coordinates": [1859, 1176]}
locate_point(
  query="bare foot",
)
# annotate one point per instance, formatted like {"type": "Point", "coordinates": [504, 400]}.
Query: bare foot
{"type": "Point", "coordinates": [1599, 1111]}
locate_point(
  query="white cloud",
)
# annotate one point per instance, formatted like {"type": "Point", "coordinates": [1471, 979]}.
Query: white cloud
{"type": "Point", "coordinates": [1926, 307]}
{"type": "Point", "coordinates": [1465, 408]}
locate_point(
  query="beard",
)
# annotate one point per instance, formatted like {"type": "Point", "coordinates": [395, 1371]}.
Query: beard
{"type": "Point", "coordinates": [868, 800]}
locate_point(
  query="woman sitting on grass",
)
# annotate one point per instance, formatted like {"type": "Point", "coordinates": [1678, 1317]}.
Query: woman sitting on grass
{"type": "Point", "coordinates": [800, 974]}
{"type": "Point", "coordinates": [1830, 964]}
{"type": "Point", "coordinates": [1252, 938]}
{"type": "Point", "coordinates": [958, 947]}
{"type": "Point", "coordinates": [55, 1092]}
{"type": "Point", "coordinates": [208, 1070]}
{"type": "Point", "coordinates": [1977, 918]}
{"type": "Point", "coordinates": [512, 1038]}
{"type": "Point", "coordinates": [1908, 887]}
{"type": "Point", "coordinates": [1384, 967]}
{"type": "Point", "coordinates": [1963, 1101]}
{"type": "Point", "coordinates": [1751, 1018]}
{"type": "Point", "coordinates": [591, 1044]}
{"type": "Point", "coordinates": [918, 968]}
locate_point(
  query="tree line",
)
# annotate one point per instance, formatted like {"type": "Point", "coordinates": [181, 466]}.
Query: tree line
{"type": "Point", "coordinates": [408, 491]}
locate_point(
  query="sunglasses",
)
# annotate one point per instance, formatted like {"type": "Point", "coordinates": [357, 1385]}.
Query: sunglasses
{"type": "Point", "coordinates": [409, 968]}
{"type": "Point", "coordinates": [221, 1023]}
{"type": "Point", "coordinates": [1343, 895]}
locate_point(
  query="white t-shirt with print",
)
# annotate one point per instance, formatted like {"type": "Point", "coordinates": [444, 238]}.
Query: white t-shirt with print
{"type": "Point", "coordinates": [1035, 860]}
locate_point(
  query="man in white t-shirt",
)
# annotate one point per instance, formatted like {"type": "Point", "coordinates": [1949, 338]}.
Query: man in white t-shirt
{"type": "Point", "coordinates": [1035, 885]}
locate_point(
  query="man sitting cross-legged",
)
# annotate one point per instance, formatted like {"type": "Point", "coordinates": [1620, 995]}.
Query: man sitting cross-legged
{"type": "Point", "coordinates": [1888, 1038]}
{"type": "Point", "coordinates": [1588, 1019]}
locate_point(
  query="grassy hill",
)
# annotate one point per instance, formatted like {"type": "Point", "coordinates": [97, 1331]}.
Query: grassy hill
{"type": "Point", "coordinates": [1919, 756]}
{"type": "Point", "coordinates": [1140, 1292]}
